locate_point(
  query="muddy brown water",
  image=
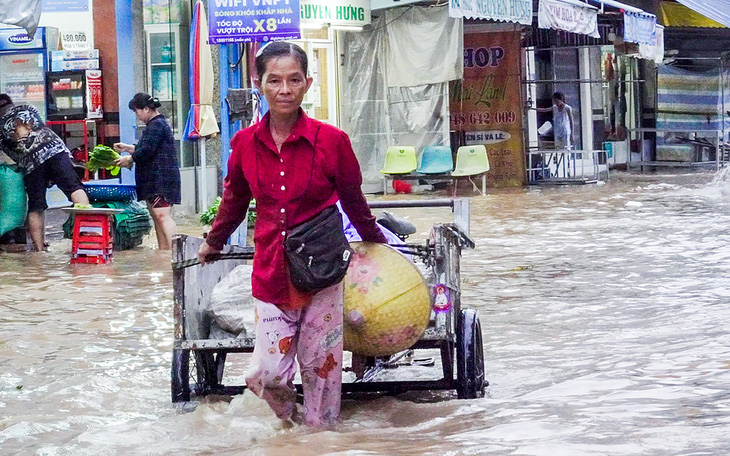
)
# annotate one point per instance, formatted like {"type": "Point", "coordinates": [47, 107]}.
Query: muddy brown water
{"type": "Point", "coordinates": [604, 310]}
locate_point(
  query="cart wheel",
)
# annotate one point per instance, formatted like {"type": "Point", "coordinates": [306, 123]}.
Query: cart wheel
{"type": "Point", "coordinates": [206, 372]}
{"type": "Point", "coordinates": [180, 375]}
{"type": "Point", "coordinates": [220, 363]}
{"type": "Point", "coordinates": [470, 381]}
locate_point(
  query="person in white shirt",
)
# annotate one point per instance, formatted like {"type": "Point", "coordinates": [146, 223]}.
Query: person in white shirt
{"type": "Point", "coordinates": [562, 122]}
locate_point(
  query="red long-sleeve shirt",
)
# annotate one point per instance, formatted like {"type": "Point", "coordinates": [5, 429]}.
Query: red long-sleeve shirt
{"type": "Point", "coordinates": [315, 168]}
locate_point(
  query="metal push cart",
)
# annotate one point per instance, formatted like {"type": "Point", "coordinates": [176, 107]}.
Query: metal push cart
{"type": "Point", "coordinates": [198, 363]}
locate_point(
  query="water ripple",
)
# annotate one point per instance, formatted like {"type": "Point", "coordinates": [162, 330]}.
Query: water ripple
{"type": "Point", "coordinates": [603, 308]}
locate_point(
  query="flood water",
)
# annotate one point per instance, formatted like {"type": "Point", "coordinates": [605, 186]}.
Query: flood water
{"type": "Point", "coordinates": [604, 309]}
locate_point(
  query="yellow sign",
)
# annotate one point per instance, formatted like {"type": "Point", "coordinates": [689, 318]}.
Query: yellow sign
{"type": "Point", "coordinates": [485, 105]}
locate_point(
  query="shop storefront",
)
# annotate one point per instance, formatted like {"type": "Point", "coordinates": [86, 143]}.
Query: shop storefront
{"type": "Point", "coordinates": [394, 84]}
{"type": "Point", "coordinates": [58, 71]}
{"type": "Point", "coordinates": [452, 74]}
{"type": "Point", "coordinates": [693, 86]}
{"type": "Point", "coordinates": [485, 103]}
{"type": "Point", "coordinates": [166, 60]}
{"type": "Point", "coordinates": [592, 54]}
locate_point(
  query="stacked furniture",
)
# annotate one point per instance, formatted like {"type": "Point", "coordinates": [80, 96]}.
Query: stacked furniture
{"type": "Point", "coordinates": [401, 163]}
{"type": "Point", "coordinates": [130, 225]}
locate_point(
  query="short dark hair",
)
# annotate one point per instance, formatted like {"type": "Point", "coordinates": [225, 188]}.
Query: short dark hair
{"type": "Point", "coordinates": [274, 49]}
{"type": "Point", "coordinates": [5, 102]}
{"type": "Point", "coordinates": [559, 96]}
{"type": "Point", "coordinates": [144, 100]}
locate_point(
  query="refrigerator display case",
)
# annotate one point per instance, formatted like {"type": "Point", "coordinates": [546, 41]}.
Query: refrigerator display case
{"type": "Point", "coordinates": [66, 95]}
{"type": "Point", "coordinates": [23, 64]}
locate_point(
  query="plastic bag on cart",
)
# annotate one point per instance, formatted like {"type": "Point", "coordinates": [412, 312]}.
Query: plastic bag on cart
{"type": "Point", "coordinates": [231, 305]}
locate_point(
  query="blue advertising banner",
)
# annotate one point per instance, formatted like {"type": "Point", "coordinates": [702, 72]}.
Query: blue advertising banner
{"type": "Point", "coordinates": [64, 6]}
{"type": "Point", "coordinates": [244, 21]}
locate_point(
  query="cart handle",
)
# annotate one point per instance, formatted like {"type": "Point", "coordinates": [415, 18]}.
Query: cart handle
{"type": "Point", "coordinates": [247, 254]}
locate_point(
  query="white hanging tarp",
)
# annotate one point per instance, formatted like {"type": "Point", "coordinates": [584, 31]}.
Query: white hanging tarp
{"type": "Point", "coordinates": [568, 15]}
{"type": "Point", "coordinates": [377, 116]}
{"type": "Point", "coordinates": [423, 46]}
{"type": "Point", "coordinates": [654, 52]}
{"type": "Point", "coordinates": [22, 13]}
{"type": "Point", "coordinates": [498, 10]}
{"type": "Point", "coordinates": [717, 10]}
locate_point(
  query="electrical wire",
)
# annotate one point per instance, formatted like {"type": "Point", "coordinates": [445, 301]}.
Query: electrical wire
{"type": "Point", "coordinates": [240, 56]}
{"type": "Point", "coordinates": [408, 8]}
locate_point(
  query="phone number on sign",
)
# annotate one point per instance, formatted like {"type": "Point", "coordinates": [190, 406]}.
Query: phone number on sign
{"type": "Point", "coordinates": [483, 118]}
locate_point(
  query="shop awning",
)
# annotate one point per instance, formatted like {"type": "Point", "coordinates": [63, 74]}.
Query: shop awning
{"type": "Point", "coordinates": [717, 10]}
{"type": "Point", "coordinates": [673, 14]}
{"type": "Point", "coordinates": [568, 15]}
{"type": "Point", "coordinates": [519, 11]}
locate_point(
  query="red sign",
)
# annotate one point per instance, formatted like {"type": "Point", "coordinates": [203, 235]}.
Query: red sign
{"type": "Point", "coordinates": [93, 94]}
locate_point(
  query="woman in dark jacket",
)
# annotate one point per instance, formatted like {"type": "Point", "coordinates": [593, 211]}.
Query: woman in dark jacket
{"type": "Point", "coordinates": [157, 172]}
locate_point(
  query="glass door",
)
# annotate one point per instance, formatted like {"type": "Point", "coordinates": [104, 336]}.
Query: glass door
{"type": "Point", "coordinates": [163, 75]}
{"type": "Point", "coordinates": [322, 93]}
{"type": "Point", "coordinates": [321, 99]}
{"type": "Point", "coordinates": [167, 76]}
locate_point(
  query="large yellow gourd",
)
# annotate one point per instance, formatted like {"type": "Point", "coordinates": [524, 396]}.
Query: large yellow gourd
{"type": "Point", "coordinates": [387, 301]}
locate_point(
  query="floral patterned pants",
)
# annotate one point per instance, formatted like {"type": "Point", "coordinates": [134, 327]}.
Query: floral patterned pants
{"type": "Point", "coordinates": [314, 336]}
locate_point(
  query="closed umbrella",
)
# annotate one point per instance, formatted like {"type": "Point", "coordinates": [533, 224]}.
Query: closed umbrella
{"type": "Point", "coordinates": [201, 118]}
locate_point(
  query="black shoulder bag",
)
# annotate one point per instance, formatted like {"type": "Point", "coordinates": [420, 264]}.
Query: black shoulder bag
{"type": "Point", "coordinates": [317, 250]}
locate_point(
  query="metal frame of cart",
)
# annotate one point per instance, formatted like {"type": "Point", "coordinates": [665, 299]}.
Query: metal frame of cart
{"type": "Point", "coordinates": [458, 337]}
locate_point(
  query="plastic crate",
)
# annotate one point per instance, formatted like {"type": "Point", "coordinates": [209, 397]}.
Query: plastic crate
{"type": "Point", "coordinates": [105, 193]}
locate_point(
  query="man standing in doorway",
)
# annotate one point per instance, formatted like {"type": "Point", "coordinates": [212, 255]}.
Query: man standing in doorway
{"type": "Point", "coordinates": [562, 122]}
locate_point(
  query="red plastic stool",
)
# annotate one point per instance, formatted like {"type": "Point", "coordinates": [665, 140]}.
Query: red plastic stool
{"type": "Point", "coordinates": [93, 239]}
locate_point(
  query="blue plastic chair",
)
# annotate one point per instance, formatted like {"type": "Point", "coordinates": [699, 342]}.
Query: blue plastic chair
{"type": "Point", "coordinates": [436, 160]}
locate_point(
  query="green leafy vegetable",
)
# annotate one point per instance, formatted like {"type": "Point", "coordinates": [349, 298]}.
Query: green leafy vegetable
{"type": "Point", "coordinates": [207, 217]}
{"type": "Point", "coordinates": [104, 157]}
